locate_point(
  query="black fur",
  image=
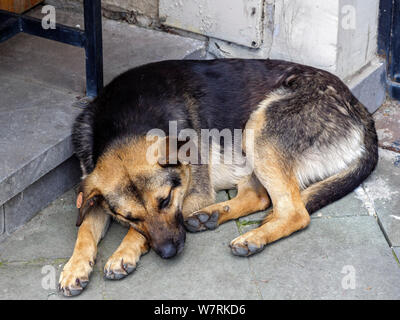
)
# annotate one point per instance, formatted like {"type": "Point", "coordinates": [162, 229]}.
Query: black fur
{"type": "Point", "coordinates": [147, 97]}
{"type": "Point", "coordinates": [222, 94]}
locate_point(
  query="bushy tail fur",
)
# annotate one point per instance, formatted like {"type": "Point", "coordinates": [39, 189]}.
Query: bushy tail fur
{"type": "Point", "coordinates": [337, 186]}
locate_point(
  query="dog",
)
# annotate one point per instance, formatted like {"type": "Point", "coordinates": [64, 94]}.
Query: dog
{"type": "Point", "coordinates": [313, 143]}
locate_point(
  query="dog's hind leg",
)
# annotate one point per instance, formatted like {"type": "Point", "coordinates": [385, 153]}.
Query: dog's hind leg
{"type": "Point", "coordinates": [251, 197]}
{"type": "Point", "coordinates": [123, 261]}
{"type": "Point", "coordinates": [289, 213]}
{"type": "Point", "coordinates": [75, 275]}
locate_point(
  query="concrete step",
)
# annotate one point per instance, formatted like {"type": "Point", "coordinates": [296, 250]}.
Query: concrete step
{"type": "Point", "coordinates": [40, 81]}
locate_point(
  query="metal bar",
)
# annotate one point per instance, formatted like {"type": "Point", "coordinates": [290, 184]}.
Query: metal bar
{"type": "Point", "coordinates": [61, 33]}
{"type": "Point", "coordinates": [394, 90]}
{"type": "Point", "coordinates": [385, 26]}
{"type": "Point", "coordinates": [395, 43]}
{"type": "Point", "coordinates": [9, 27]}
{"type": "Point", "coordinates": [33, 26]}
{"type": "Point", "coordinates": [93, 47]}
{"type": "Point", "coordinates": [90, 39]}
{"type": "Point", "coordinates": [389, 43]}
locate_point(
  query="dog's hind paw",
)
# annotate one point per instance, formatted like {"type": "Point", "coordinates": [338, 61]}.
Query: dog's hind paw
{"type": "Point", "coordinates": [75, 277]}
{"type": "Point", "coordinates": [200, 221]}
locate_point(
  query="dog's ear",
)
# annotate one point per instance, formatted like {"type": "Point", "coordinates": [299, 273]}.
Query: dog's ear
{"type": "Point", "coordinates": [170, 151]}
{"type": "Point", "coordinates": [86, 201]}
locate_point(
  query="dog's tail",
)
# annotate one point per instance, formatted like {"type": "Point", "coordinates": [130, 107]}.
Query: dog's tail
{"type": "Point", "coordinates": [337, 186]}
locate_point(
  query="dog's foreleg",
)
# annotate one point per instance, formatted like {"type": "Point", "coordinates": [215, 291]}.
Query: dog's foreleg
{"type": "Point", "coordinates": [251, 197]}
{"type": "Point", "coordinates": [75, 275]}
{"type": "Point", "coordinates": [123, 261]}
{"type": "Point", "coordinates": [289, 213]}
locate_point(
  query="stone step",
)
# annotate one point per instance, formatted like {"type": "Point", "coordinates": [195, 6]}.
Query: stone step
{"type": "Point", "coordinates": [41, 80]}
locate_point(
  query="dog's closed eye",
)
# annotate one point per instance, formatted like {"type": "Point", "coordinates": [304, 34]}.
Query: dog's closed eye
{"type": "Point", "coordinates": [164, 202]}
{"type": "Point", "coordinates": [130, 218]}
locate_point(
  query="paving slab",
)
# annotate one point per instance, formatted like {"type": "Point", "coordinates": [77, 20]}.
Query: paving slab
{"type": "Point", "coordinates": [2, 225]}
{"type": "Point", "coordinates": [232, 193]}
{"type": "Point", "coordinates": [387, 123]}
{"type": "Point", "coordinates": [26, 204]}
{"type": "Point", "coordinates": [252, 218]}
{"type": "Point", "coordinates": [204, 270]}
{"type": "Point", "coordinates": [22, 282]}
{"type": "Point", "coordinates": [39, 281]}
{"type": "Point", "coordinates": [313, 263]}
{"type": "Point", "coordinates": [124, 46]}
{"type": "Point", "coordinates": [396, 251]}
{"type": "Point", "coordinates": [350, 205]}
{"type": "Point", "coordinates": [221, 196]}
{"type": "Point", "coordinates": [383, 190]}
{"type": "Point", "coordinates": [51, 234]}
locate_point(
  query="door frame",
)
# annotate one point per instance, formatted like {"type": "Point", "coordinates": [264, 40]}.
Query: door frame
{"type": "Point", "coordinates": [389, 43]}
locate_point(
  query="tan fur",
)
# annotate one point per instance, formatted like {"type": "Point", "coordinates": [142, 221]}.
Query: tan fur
{"type": "Point", "coordinates": [77, 270]}
{"type": "Point", "coordinates": [127, 255]}
{"type": "Point", "coordinates": [251, 197]}
{"type": "Point", "coordinates": [196, 202]}
{"type": "Point", "coordinates": [289, 213]}
{"type": "Point", "coordinates": [114, 172]}
{"type": "Point", "coordinates": [125, 164]}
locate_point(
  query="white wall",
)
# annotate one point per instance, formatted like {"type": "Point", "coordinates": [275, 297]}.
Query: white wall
{"type": "Point", "coordinates": [305, 31]}
{"type": "Point", "coordinates": [232, 20]}
{"type": "Point", "coordinates": [357, 47]}
{"type": "Point", "coordinates": [337, 35]}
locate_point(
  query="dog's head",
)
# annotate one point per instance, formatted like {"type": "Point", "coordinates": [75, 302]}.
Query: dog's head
{"type": "Point", "coordinates": [147, 195]}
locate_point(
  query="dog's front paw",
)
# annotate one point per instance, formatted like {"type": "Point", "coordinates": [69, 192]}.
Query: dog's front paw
{"type": "Point", "coordinates": [120, 264]}
{"type": "Point", "coordinates": [75, 276]}
{"type": "Point", "coordinates": [247, 244]}
{"type": "Point", "coordinates": [201, 220]}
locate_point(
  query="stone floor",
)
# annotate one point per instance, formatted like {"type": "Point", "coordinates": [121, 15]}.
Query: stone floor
{"type": "Point", "coordinates": [355, 241]}
{"type": "Point", "coordinates": [357, 237]}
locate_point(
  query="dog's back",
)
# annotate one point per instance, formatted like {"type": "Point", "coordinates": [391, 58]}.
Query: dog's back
{"type": "Point", "coordinates": [320, 126]}
{"type": "Point", "coordinates": [200, 94]}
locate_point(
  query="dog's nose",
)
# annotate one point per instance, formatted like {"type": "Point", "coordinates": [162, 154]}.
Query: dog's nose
{"type": "Point", "coordinates": [167, 250]}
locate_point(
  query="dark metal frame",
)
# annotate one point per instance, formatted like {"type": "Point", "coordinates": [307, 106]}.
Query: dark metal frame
{"type": "Point", "coordinates": [389, 43]}
{"type": "Point", "coordinates": [90, 39]}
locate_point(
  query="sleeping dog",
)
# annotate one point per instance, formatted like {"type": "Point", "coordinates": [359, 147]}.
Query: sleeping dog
{"type": "Point", "coordinates": [306, 139]}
